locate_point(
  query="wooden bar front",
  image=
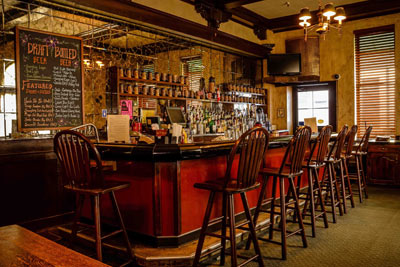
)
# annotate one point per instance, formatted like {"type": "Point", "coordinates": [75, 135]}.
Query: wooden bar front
{"type": "Point", "coordinates": [162, 206]}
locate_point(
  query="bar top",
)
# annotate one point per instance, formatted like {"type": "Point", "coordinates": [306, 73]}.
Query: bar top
{"type": "Point", "coordinates": [173, 152]}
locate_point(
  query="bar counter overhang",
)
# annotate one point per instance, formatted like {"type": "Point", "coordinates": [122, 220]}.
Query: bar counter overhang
{"type": "Point", "coordinates": [162, 206]}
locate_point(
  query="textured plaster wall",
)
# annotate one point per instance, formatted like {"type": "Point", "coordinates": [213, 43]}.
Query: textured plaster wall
{"type": "Point", "coordinates": [337, 57]}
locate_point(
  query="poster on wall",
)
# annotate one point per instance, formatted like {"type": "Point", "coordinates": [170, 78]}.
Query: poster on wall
{"type": "Point", "coordinates": [126, 107]}
{"type": "Point", "coordinates": [49, 75]}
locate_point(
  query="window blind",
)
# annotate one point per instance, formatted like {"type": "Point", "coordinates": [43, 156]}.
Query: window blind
{"type": "Point", "coordinates": [375, 80]}
{"type": "Point", "coordinates": [193, 68]}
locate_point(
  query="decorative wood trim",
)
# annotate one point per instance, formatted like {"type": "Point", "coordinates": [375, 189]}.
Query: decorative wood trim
{"type": "Point", "coordinates": [177, 200]}
{"type": "Point", "coordinates": [157, 200]}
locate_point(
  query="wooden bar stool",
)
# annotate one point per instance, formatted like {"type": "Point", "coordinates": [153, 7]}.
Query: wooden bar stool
{"type": "Point", "coordinates": [76, 154]}
{"type": "Point", "coordinates": [347, 192]}
{"type": "Point", "coordinates": [359, 153]}
{"type": "Point", "coordinates": [330, 184]}
{"type": "Point", "coordinates": [316, 160]}
{"type": "Point", "coordinates": [290, 168]}
{"type": "Point", "coordinates": [252, 146]}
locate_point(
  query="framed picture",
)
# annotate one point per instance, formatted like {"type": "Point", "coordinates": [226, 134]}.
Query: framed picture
{"type": "Point", "coordinates": [281, 113]}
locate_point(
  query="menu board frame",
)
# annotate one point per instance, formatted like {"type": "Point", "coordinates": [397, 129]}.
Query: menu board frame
{"type": "Point", "coordinates": [18, 52]}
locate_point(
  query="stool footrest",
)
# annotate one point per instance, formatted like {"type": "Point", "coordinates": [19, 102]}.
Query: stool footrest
{"type": "Point", "coordinates": [202, 255]}
{"type": "Point", "coordinates": [242, 223]}
{"type": "Point", "coordinates": [247, 259]}
{"type": "Point", "coordinates": [293, 232]}
{"type": "Point", "coordinates": [216, 235]}
{"type": "Point", "coordinates": [111, 234]}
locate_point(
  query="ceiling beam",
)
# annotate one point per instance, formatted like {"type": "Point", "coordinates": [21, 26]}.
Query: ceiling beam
{"type": "Point", "coordinates": [238, 3]}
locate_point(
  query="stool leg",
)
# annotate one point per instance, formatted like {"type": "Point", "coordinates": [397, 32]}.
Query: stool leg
{"type": "Point", "coordinates": [259, 205]}
{"type": "Point", "coordinates": [283, 216]}
{"type": "Point", "coordinates": [80, 199]}
{"type": "Point", "coordinates": [306, 203]}
{"type": "Point", "coordinates": [331, 191]}
{"type": "Point", "coordinates": [343, 186]}
{"type": "Point", "coordinates": [223, 230]}
{"type": "Point", "coordinates": [320, 198]}
{"type": "Point", "coordinates": [232, 234]}
{"type": "Point", "coordinates": [297, 207]}
{"type": "Point", "coordinates": [272, 214]}
{"type": "Point", "coordinates": [363, 177]}
{"type": "Point", "coordinates": [96, 208]}
{"type": "Point", "coordinates": [337, 189]}
{"type": "Point", "coordinates": [359, 178]}
{"type": "Point", "coordinates": [118, 215]}
{"type": "Point", "coordinates": [347, 181]}
{"type": "Point", "coordinates": [312, 200]}
{"type": "Point", "coordinates": [252, 228]}
{"type": "Point", "coordinates": [204, 228]}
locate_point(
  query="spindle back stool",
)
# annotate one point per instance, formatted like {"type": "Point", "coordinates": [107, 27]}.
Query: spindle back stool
{"type": "Point", "coordinates": [291, 167]}
{"type": "Point", "coordinates": [82, 172]}
{"type": "Point", "coordinates": [251, 147]}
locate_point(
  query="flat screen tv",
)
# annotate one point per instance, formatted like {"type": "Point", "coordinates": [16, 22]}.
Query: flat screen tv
{"type": "Point", "coordinates": [284, 64]}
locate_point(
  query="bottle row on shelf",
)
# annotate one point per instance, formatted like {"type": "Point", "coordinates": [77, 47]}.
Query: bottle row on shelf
{"type": "Point", "coordinates": [129, 89]}
{"type": "Point", "coordinates": [152, 76]}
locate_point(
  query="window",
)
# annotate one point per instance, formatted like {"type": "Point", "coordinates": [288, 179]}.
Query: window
{"type": "Point", "coordinates": [375, 80]}
{"type": "Point", "coordinates": [8, 105]}
{"type": "Point", "coordinates": [193, 68]}
{"type": "Point", "coordinates": [315, 100]}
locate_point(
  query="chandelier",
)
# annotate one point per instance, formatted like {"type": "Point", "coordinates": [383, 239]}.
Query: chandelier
{"type": "Point", "coordinates": [325, 21]}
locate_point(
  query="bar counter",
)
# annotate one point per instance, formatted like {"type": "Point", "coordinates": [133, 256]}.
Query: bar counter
{"type": "Point", "coordinates": [161, 206]}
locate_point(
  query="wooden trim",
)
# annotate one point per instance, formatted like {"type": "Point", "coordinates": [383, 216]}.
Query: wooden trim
{"type": "Point", "coordinates": [150, 16]}
{"type": "Point", "coordinates": [374, 29]}
{"type": "Point", "coordinates": [157, 227]}
{"type": "Point", "coordinates": [177, 200]}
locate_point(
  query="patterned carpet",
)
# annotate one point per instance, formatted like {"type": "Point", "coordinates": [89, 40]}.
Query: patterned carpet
{"type": "Point", "coordinates": [368, 235]}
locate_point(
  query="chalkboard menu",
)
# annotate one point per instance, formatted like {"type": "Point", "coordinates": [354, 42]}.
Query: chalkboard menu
{"type": "Point", "coordinates": [49, 80]}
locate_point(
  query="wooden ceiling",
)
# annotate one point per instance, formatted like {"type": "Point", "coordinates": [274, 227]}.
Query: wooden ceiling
{"type": "Point", "coordinates": [261, 15]}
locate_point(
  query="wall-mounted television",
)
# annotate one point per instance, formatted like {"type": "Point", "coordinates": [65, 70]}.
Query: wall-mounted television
{"type": "Point", "coordinates": [284, 64]}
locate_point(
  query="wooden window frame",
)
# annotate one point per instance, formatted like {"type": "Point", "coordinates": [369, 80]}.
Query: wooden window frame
{"type": "Point", "coordinates": [374, 59]}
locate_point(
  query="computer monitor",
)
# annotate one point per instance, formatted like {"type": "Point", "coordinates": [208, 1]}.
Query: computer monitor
{"type": "Point", "coordinates": [175, 115]}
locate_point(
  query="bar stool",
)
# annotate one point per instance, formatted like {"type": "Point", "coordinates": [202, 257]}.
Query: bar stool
{"type": "Point", "coordinates": [315, 161]}
{"type": "Point", "coordinates": [290, 168]}
{"type": "Point", "coordinates": [330, 184]}
{"type": "Point", "coordinates": [359, 153]}
{"type": "Point", "coordinates": [76, 154]}
{"type": "Point", "coordinates": [252, 146]}
{"type": "Point", "coordinates": [345, 178]}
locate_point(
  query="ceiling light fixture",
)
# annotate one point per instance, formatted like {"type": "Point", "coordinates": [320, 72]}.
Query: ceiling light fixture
{"type": "Point", "coordinates": [325, 21]}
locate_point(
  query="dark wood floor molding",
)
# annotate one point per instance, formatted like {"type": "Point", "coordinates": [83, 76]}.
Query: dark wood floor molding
{"type": "Point", "coordinates": [150, 16]}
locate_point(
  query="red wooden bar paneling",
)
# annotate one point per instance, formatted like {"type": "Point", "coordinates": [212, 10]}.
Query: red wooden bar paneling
{"type": "Point", "coordinates": [162, 202]}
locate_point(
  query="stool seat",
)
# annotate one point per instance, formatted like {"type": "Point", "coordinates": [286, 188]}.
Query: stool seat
{"type": "Point", "coordinates": [218, 185]}
{"type": "Point", "coordinates": [285, 173]}
{"type": "Point", "coordinates": [106, 188]}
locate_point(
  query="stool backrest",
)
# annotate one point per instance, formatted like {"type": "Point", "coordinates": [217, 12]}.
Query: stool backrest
{"type": "Point", "coordinates": [296, 150]}
{"type": "Point", "coordinates": [349, 141]}
{"type": "Point", "coordinates": [252, 146]}
{"type": "Point", "coordinates": [321, 144]}
{"type": "Point", "coordinates": [88, 130]}
{"type": "Point", "coordinates": [363, 145]}
{"type": "Point", "coordinates": [336, 150]}
{"type": "Point", "coordinates": [79, 158]}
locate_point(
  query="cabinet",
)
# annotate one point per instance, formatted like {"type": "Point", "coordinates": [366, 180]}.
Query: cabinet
{"type": "Point", "coordinates": [116, 90]}
{"type": "Point", "coordinates": [383, 163]}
